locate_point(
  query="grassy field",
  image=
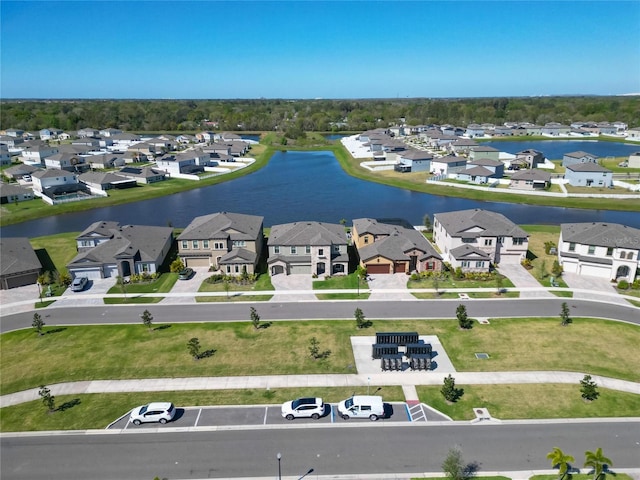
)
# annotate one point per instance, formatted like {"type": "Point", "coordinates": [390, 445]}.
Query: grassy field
{"type": "Point", "coordinates": [163, 284]}
{"type": "Point", "coordinates": [263, 283]}
{"type": "Point", "coordinates": [450, 282]}
{"type": "Point", "coordinates": [521, 401]}
{"type": "Point", "coordinates": [96, 411]}
{"type": "Point", "coordinates": [541, 261]}
{"type": "Point", "coordinates": [56, 251]}
{"type": "Point", "coordinates": [235, 298]}
{"type": "Point", "coordinates": [132, 351]}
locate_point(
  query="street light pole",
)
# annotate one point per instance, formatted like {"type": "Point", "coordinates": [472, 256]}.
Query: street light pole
{"type": "Point", "coordinates": [279, 457]}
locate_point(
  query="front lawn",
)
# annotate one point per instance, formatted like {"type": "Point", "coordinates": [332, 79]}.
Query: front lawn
{"type": "Point", "coordinates": [220, 283]}
{"type": "Point", "coordinates": [340, 282]}
{"type": "Point", "coordinates": [163, 284]}
{"type": "Point", "coordinates": [282, 348]}
{"type": "Point", "coordinates": [522, 401]}
{"type": "Point", "coordinates": [447, 280]}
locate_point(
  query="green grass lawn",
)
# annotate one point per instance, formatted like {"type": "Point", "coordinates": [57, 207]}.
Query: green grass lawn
{"type": "Point", "coordinates": [235, 298]}
{"type": "Point", "coordinates": [521, 401]}
{"type": "Point", "coordinates": [134, 300]}
{"type": "Point", "coordinates": [340, 282]}
{"type": "Point", "coordinates": [342, 296]}
{"type": "Point", "coordinates": [263, 283]}
{"type": "Point", "coordinates": [543, 262]}
{"type": "Point", "coordinates": [56, 251]}
{"type": "Point", "coordinates": [96, 411]}
{"type": "Point", "coordinates": [163, 284]}
{"type": "Point", "coordinates": [449, 282]}
{"type": "Point", "coordinates": [131, 351]}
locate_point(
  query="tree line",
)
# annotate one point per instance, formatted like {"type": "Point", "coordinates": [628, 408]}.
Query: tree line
{"type": "Point", "coordinates": [318, 115]}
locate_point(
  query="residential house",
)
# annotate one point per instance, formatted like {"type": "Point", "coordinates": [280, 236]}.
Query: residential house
{"type": "Point", "coordinates": [101, 181]}
{"type": "Point", "coordinates": [311, 248]}
{"type": "Point", "coordinates": [68, 135]}
{"type": "Point", "coordinates": [35, 155]}
{"type": "Point", "coordinates": [484, 151]}
{"type": "Point", "coordinates": [51, 182]}
{"type": "Point", "coordinates": [205, 137]}
{"type": "Point", "coordinates": [502, 131]}
{"type": "Point", "coordinates": [532, 157]}
{"type": "Point", "coordinates": [12, 193]}
{"type": "Point", "coordinates": [229, 242]}
{"type": "Point", "coordinates": [135, 157]}
{"type": "Point", "coordinates": [588, 175]}
{"type": "Point", "coordinates": [19, 171]}
{"type": "Point", "coordinates": [163, 145]}
{"type": "Point", "coordinates": [185, 139]}
{"type": "Point", "coordinates": [49, 133]}
{"type": "Point", "coordinates": [479, 231]}
{"type": "Point", "coordinates": [145, 148]}
{"type": "Point", "coordinates": [634, 160]}
{"type": "Point", "coordinates": [191, 161]}
{"type": "Point", "coordinates": [109, 132]}
{"type": "Point", "coordinates": [143, 174]}
{"type": "Point", "coordinates": [87, 132]}
{"type": "Point", "coordinates": [91, 142]}
{"type": "Point", "coordinates": [633, 133]}
{"type": "Point", "coordinates": [481, 170]}
{"type": "Point", "coordinates": [448, 165]}
{"type": "Point", "coordinates": [12, 143]}
{"type": "Point", "coordinates": [107, 249]}
{"type": "Point", "coordinates": [554, 129]}
{"type": "Point", "coordinates": [474, 130]}
{"type": "Point", "coordinates": [106, 160]}
{"type": "Point", "coordinates": [19, 264]}
{"type": "Point", "coordinates": [122, 141]}
{"type": "Point", "coordinates": [393, 246]}
{"type": "Point", "coordinates": [5, 156]}
{"type": "Point", "coordinates": [533, 179]}
{"type": "Point", "coordinates": [572, 158]}
{"type": "Point", "coordinates": [70, 162]}
{"type": "Point", "coordinates": [605, 250]}
{"type": "Point", "coordinates": [14, 132]}
{"type": "Point", "coordinates": [461, 146]}
{"type": "Point", "coordinates": [606, 128]}
{"type": "Point", "coordinates": [413, 161]}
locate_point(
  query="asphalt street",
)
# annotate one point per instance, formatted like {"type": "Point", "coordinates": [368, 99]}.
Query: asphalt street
{"type": "Point", "coordinates": [217, 312]}
{"type": "Point", "coordinates": [364, 447]}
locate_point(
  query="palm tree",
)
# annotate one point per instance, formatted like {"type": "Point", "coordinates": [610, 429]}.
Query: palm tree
{"type": "Point", "coordinates": [598, 462]}
{"type": "Point", "coordinates": [560, 460]}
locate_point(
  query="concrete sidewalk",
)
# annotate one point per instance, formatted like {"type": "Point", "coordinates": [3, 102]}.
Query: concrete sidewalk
{"type": "Point", "coordinates": [406, 378]}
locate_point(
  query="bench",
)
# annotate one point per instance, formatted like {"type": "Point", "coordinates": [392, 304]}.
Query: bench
{"type": "Point", "coordinates": [380, 349]}
{"type": "Point", "coordinates": [418, 349]}
{"type": "Point", "coordinates": [397, 338]}
{"type": "Point", "coordinates": [391, 362]}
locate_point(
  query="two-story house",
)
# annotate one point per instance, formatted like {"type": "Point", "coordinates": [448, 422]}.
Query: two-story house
{"type": "Point", "coordinates": [481, 170]}
{"type": "Point", "coordinates": [393, 246]}
{"type": "Point", "coordinates": [471, 239]}
{"type": "Point", "coordinates": [229, 242]}
{"type": "Point", "coordinates": [588, 175]}
{"type": "Point", "coordinates": [573, 158]}
{"type": "Point", "coordinates": [484, 151]}
{"type": "Point", "coordinates": [108, 249]}
{"type": "Point", "coordinates": [605, 250]}
{"type": "Point", "coordinates": [311, 248]}
{"type": "Point", "coordinates": [36, 154]}
{"type": "Point", "coordinates": [413, 161]}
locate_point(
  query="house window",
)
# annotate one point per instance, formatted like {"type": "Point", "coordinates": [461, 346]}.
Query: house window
{"type": "Point", "coordinates": [468, 240]}
{"type": "Point", "coordinates": [630, 256]}
{"type": "Point", "coordinates": [276, 249]}
{"type": "Point", "coordinates": [431, 266]}
{"type": "Point", "coordinates": [609, 251]}
{"type": "Point", "coordinates": [592, 249]}
{"type": "Point", "coordinates": [321, 251]}
{"type": "Point", "coordinates": [518, 241]}
{"type": "Point", "coordinates": [500, 240]}
{"type": "Point", "coordinates": [86, 243]}
{"type": "Point", "coordinates": [294, 250]}
{"type": "Point", "coordinates": [239, 243]}
{"type": "Point", "coordinates": [488, 242]}
{"type": "Point", "coordinates": [185, 244]}
{"type": "Point", "coordinates": [464, 264]}
{"type": "Point", "coordinates": [572, 247]}
{"type": "Point", "coordinates": [205, 244]}
{"type": "Point", "coordinates": [218, 245]}
{"type": "Point", "coordinates": [228, 268]}
{"type": "Point", "coordinates": [307, 249]}
{"type": "Point", "coordinates": [195, 244]}
{"type": "Point", "coordinates": [366, 239]}
{"type": "Point", "coordinates": [623, 255]}
{"type": "Point", "coordinates": [237, 269]}
{"type": "Point", "coordinates": [145, 267]}
{"type": "Point", "coordinates": [479, 264]}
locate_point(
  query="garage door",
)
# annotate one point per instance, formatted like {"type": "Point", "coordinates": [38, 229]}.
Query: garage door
{"type": "Point", "coordinates": [373, 269]}
{"type": "Point", "coordinates": [110, 271]}
{"type": "Point", "coordinates": [595, 271]}
{"type": "Point", "coordinates": [197, 262]}
{"type": "Point", "coordinates": [400, 267]}
{"type": "Point", "coordinates": [90, 273]}
{"type": "Point", "coordinates": [300, 269]}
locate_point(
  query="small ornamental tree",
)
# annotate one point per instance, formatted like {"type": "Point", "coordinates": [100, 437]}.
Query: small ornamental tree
{"type": "Point", "coordinates": [38, 323]}
{"type": "Point", "coordinates": [556, 269]}
{"type": "Point", "coordinates": [564, 314]}
{"type": "Point", "coordinates": [589, 389]}
{"type": "Point", "coordinates": [193, 346]}
{"type": "Point", "coordinates": [454, 466]}
{"type": "Point", "coordinates": [426, 221]}
{"type": "Point", "coordinates": [147, 319]}
{"type": "Point", "coordinates": [360, 320]}
{"type": "Point", "coordinates": [48, 400]}
{"type": "Point", "coordinates": [561, 461]}
{"type": "Point", "coordinates": [463, 320]}
{"type": "Point", "coordinates": [255, 318]}
{"type": "Point", "coordinates": [499, 284]}
{"type": "Point", "coordinates": [314, 349]}
{"type": "Point", "coordinates": [598, 462]}
{"type": "Point", "coordinates": [176, 266]}
{"type": "Point", "coordinates": [449, 390]}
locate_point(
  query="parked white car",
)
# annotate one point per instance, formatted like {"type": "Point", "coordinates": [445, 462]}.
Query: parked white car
{"type": "Point", "coordinates": [162, 412]}
{"type": "Point", "coordinates": [79, 284]}
{"type": "Point", "coordinates": [303, 408]}
{"type": "Point", "coordinates": [362, 406]}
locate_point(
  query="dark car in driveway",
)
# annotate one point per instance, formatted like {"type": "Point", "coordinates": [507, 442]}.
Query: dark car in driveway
{"type": "Point", "coordinates": [185, 274]}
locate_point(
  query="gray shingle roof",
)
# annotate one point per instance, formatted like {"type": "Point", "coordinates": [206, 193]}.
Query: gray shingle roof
{"type": "Point", "coordinates": [492, 224]}
{"type": "Point", "coordinates": [587, 167]}
{"type": "Point", "coordinates": [238, 255]}
{"type": "Point", "coordinates": [17, 256]}
{"type": "Point", "coordinates": [307, 233]}
{"type": "Point", "coordinates": [601, 234]}
{"type": "Point", "coordinates": [467, 252]}
{"type": "Point", "coordinates": [533, 174]}
{"type": "Point", "coordinates": [223, 225]}
{"type": "Point", "coordinates": [579, 154]}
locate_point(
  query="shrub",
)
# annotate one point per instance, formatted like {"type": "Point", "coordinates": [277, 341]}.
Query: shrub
{"type": "Point", "coordinates": [636, 285]}
{"type": "Point", "coordinates": [623, 285]}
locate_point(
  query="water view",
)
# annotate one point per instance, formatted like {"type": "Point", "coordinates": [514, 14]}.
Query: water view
{"type": "Point", "coordinates": [299, 186]}
{"type": "Point", "coordinates": [555, 149]}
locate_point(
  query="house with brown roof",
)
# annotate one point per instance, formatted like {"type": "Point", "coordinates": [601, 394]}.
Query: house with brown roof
{"type": "Point", "coordinates": [19, 264]}
{"type": "Point", "coordinates": [393, 246]}
{"type": "Point", "coordinates": [229, 242]}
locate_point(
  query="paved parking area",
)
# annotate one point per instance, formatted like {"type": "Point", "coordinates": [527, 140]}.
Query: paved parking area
{"type": "Point", "coordinates": [389, 287]}
{"type": "Point", "coordinates": [87, 296]}
{"type": "Point", "coordinates": [592, 288]}
{"type": "Point", "coordinates": [231, 416]}
{"type": "Point", "coordinates": [191, 285]}
{"type": "Point", "coordinates": [28, 293]}
{"type": "Point", "coordinates": [292, 283]}
{"type": "Point", "coordinates": [521, 278]}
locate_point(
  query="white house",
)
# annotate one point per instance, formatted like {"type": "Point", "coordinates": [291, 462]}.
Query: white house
{"type": "Point", "coordinates": [448, 165]}
{"type": "Point", "coordinates": [605, 250]}
{"type": "Point", "coordinates": [478, 231]}
{"type": "Point", "coordinates": [588, 175]}
{"type": "Point", "coordinates": [43, 179]}
{"type": "Point", "coordinates": [35, 155]}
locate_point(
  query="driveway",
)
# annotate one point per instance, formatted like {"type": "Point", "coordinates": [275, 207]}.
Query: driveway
{"type": "Point", "coordinates": [521, 278]}
{"type": "Point", "coordinates": [28, 294]}
{"type": "Point", "coordinates": [191, 285]}
{"type": "Point", "coordinates": [389, 287]}
{"type": "Point", "coordinates": [292, 288]}
{"type": "Point", "coordinates": [88, 295]}
{"type": "Point", "coordinates": [592, 288]}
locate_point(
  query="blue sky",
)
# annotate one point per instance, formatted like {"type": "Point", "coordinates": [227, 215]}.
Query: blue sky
{"type": "Point", "coordinates": [312, 49]}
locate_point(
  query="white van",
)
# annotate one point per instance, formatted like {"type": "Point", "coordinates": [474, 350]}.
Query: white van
{"type": "Point", "coordinates": [362, 406]}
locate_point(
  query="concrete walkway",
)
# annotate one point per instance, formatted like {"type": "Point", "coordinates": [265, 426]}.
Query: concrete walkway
{"type": "Point", "coordinates": [522, 279]}
{"type": "Point", "coordinates": [406, 379]}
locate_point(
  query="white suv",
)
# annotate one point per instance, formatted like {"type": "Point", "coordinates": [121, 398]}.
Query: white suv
{"type": "Point", "coordinates": [303, 407]}
{"type": "Point", "coordinates": [162, 412]}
